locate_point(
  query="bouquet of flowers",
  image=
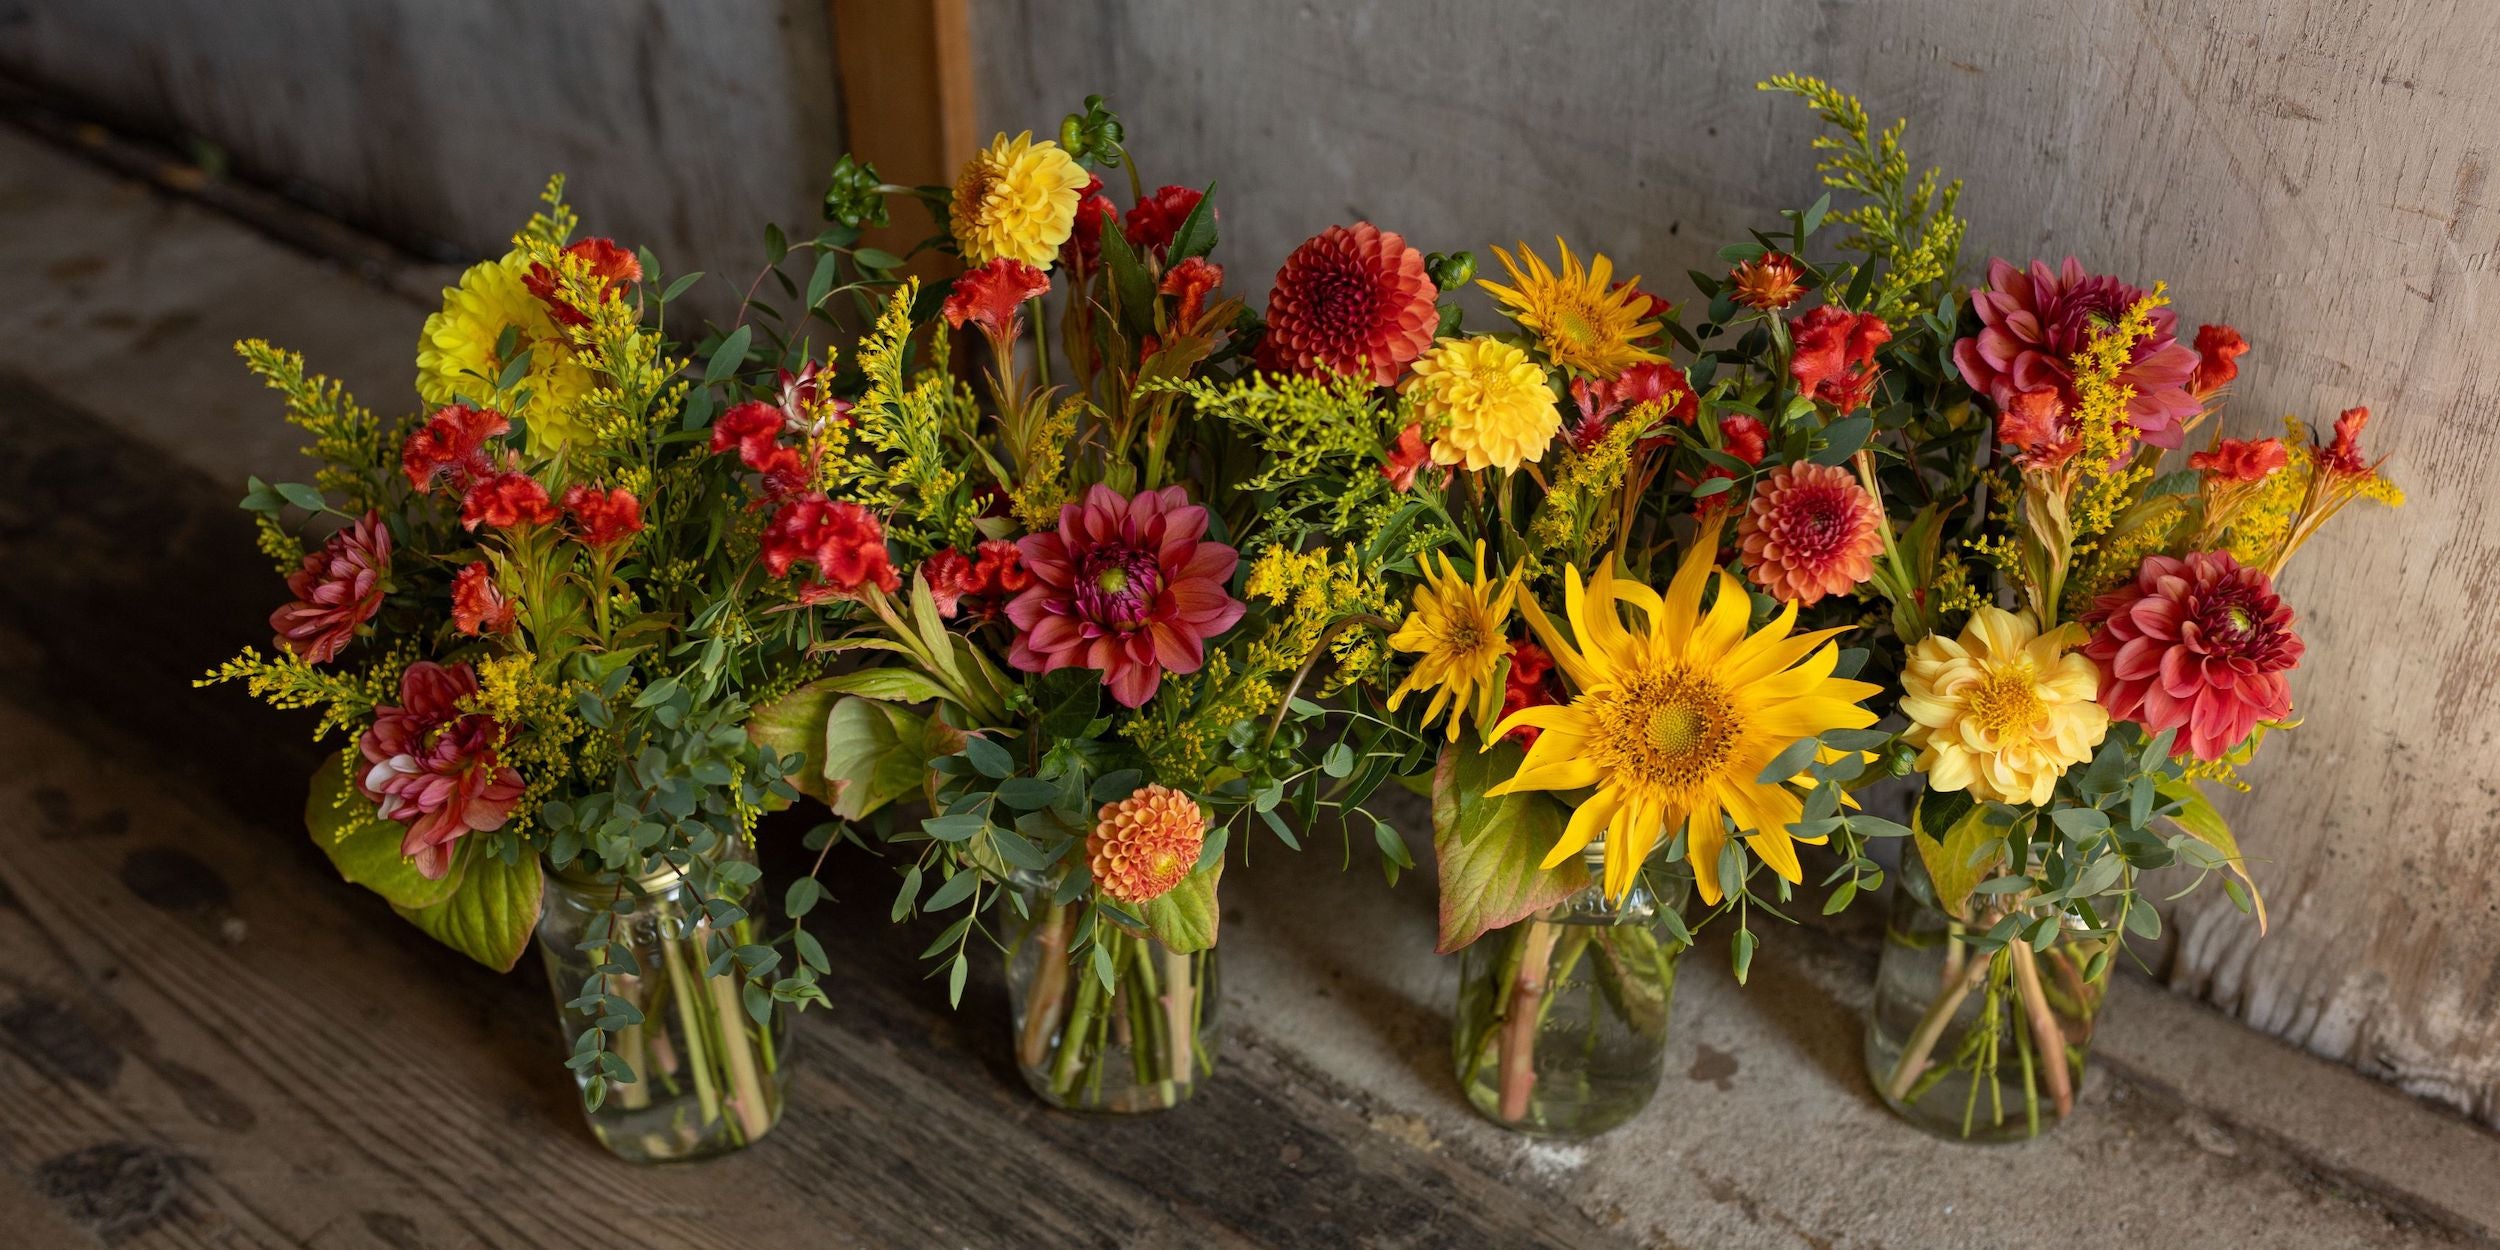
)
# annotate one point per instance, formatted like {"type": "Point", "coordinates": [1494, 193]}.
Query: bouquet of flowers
{"type": "Point", "coordinates": [531, 620]}
{"type": "Point", "coordinates": [1084, 607]}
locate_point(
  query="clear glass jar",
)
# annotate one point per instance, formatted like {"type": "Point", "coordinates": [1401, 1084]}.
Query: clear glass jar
{"type": "Point", "coordinates": [1971, 1046]}
{"type": "Point", "coordinates": [706, 1078]}
{"type": "Point", "coordinates": [1561, 1028]}
{"type": "Point", "coordinates": [1142, 1044]}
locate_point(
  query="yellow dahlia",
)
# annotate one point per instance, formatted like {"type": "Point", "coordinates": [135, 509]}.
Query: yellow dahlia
{"type": "Point", "coordinates": [1585, 322]}
{"type": "Point", "coordinates": [457, 361]}
{"type": "Point", "coordinates": [1491, 404]}
{"type": "Point", "coordinates": [1674, 720]}
{"type": "Point", "coordinates": [1017, 199]}
{"type": "Point", "coordinates": [1144, 844]}
{"type": "Point", "coordinates": [2004, 710]}
{"type": "Point", "coordinates": [1461, 630]}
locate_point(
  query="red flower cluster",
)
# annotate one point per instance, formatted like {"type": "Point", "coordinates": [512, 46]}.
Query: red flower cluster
{"type": "Point", "coordinates": [2241, 460]}
{"type": "Point", "coordinates": [1094, 210]}
{"type": "Point", "coordinates": [451, 446]}
{"type": "Point", "coordinates": [1153, 221]}
{"type": "Point", "coordinates": [506, 500]}
{"type": "Point", "coordinates": [614, 266]}
{"type": "Point", "coordinates": [1350, 301]}
{"type": "Point", "coordinates": [992, 297]}
{"type": "Point", "coordinates": [2035, 322]}
{"type": "Point", "coordinates": [478, 605]}
{"type": "Point", "coordinates": [2342, 457]}
{"type": "Point", "coordinates": [2200, 645]}
{"type": "Point", "coordinates": [844, 542]}
{"type": "Point", "coordinates": [753, 429]}
{"type": "Point", "coordinates": [1834, 356]}
{"type": "Point", "coordinates": [1407, 457]}
{"type": "Point", "coordinates": [981, 585]}
{"type": "Point", "coordinates": [1650, 382]}
{"type": "Point", "coordinates": [2035, 424]}
{"type": "Point", "coordinates": [2218, 352]}
{"type": "Point", "coordinates": [433, 767]}
{"type": "Point", "coordinates": [1744, 437]}
{"type": "Point", "coordinates": [604, 518]}
{"type": "Point", "coordinates": [1191, 280]}
{"type": "Point", "coordinates": [337, 590]}
{"type": "Point", "coordinates": [1526, 686]}
{"type": "Point", "coordinates": [1128, 586]}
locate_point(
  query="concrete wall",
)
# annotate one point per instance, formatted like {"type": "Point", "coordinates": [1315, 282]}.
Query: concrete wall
{"type": "Point", "coordinates": [682, 126]}
{"type": "Point", "coordinates": [2313, 171]}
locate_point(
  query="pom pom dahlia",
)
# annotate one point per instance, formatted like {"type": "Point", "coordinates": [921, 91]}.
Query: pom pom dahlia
{"type": "Point", "coordinates": [1126, 586]}
{"type": "Point", "coordinates": [1491, 403]}
{"type": "Point", "coordinates": [338, 589]}
{"type": "Point", "coordinates": [1351, 300]}
{"type": "Point", "coordinates": [1145, 844]}
{"type": "Point", "coordinates": [1810, 531]}
{"type": "Point", "coordinates": [2004, 710]}
{"type": "Point", "coordinates": [2200, 645]}
{"type": "Point", "coordinates": [1016, 199]}
{"type": "Point", "coordinates": [433, 767]}
{"type": "Point", "coordinates": [2035, 322]}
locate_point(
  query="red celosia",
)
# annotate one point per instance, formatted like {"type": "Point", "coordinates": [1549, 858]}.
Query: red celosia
{"type": "Point", "coordinates": [478, 605]}
{"type": "Point", "coordinates": [2342, 457]}
{"type": "Point", "coordinates": [1127, 586]}
{"type": "Point", "coordinates": [754, 430]}
{"type": "Point", "coordinates": [433, 767]}
{"type": "Point", "coordinates": [1810, 531]}
{"type": "Point", "coordinates": [2218, 352]}
{"type": "Point", "coordinates": [1153, 221]}
{"type": "Point", "coordinates": [1353, 301]}
{"type": "Point", "coordinates": [2241, 460]}
{"type": "Point", "coordinates": [1526, 686]}
{"type": "Point", "coordinates": [1770, 282]}
{"type": "Point", "coordinates": [2200, 645]}
{"type": "Point", "coordinates": [451, 445]}
{"type": "Point", "coordinates": [1406, 457]}
{"type": "Point", "coordinates": [604, 518]}
{"type": "Point", "coordinates": [992, 297]}
{"type": "Point", "coordinates": [2033, 323]}
{"type": "Point", "coordinates": [338, 589]}
{"type": "Point", "coordinates": [1094, 210]}
{"type": "Point", "coordinates": [843, 540]}
{"type": "Point", "coordinates": [1191, 280]}
{"type": "Point", "coordinates": [1653, 382]}
{"type": "Point", "coordinates": [980, 585]}
{"type": "Point", "coordinates": [506, 500]}
{"type": "Point", "coordinates": [1834, 357]}
{"type": "Point", "coordinates": [1744, 438]}
{"type": "Point", "coordinates": [2036, 425]}
{"type": "Point", "coordinates": [613, 266]}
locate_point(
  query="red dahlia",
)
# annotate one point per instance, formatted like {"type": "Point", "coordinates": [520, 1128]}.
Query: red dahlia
{"type": "Point", "coordinates": [338, 589]}
{"type": "Point", "coordinates": [1351, 300]}
{"type": "Point", "coordinates": [2034, 322]}
{"type": "Point", "coordinates": [2200, 645]}
{"type": "Point", "coordinates": [433, 767]}
{"type": "Point", "coordinates": [1127, 586]}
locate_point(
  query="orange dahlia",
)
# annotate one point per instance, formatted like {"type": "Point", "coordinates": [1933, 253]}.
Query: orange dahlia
{"type": "Point", "coordinates": [1144, 844]}
{"type": "Point", "coordinates": [1810, 531]}
{"type": "Point", "coordinates": [1351, 300]}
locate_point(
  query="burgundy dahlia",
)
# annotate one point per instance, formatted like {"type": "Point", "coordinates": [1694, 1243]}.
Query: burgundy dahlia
{"type": "Point", "coordinates": [338, 589]}
{"type": "Point", "coordinates": [432, 766]}
{"type": "Point", "coordinates": [2200, 645]}
{"type": "Point", "coordinates": [1351, 300]}
{"type": "Point", "coordinates": [2033, 322]}
{"type": "Point", "coordinates": [1127, 586]}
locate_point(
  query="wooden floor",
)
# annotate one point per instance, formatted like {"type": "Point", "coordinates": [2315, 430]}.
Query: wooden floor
{"type": "Point", "coordinates": [207, 1040]}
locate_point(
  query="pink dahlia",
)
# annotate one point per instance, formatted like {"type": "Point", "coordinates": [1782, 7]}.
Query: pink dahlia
{"type": "Point", "coordinates": [432, 766]}
{"type": "Point", "coordinates": [2033, 322]}
{"type": "Point", "coordinates": [1810, 531]}
{"type": "Point", "coordinates": [338, 589]}
{"type": "Point", "coordinates": [1127, 586]}
{"type": "Point", "coordinates": [1351, 300]}
{"type": "Point", "coordinates": [2200, 645]}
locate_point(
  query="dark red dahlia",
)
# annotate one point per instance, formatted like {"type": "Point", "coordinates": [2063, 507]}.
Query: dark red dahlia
{"type": "Point", "coordinates": [1351, 300]}
{"type": "Point", "coordinates": [613, 266]}
{"type": "Point", "coordinates": [2200, 645]}
{"type": "Point", "coordinates": [433, 767]}
{"type": "Point", "coordinates": [451, 446]}
{"type": "Point", "coordinates": [1127, 586]}
{"type": "Point", "coordinates": [506, 500]}
{"type": "Point", "coordinates": [604, 518]}
{"type": "Point", "coordinates": [1153, 221]}
{"type": "Point", "coordinates": [478, 605]}
{"type": "Point", "coordinates": [337, 590]}
{"type": "Point", "coordinates": [2035, 322]}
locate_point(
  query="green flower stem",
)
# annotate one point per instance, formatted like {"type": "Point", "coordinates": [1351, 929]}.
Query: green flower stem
{"type": "Point", "coordinates": [1072, 1036]}
{"type": "Point", "coordinates": [746, 1085]}
{"type": "Point", "coordinates": [1931, 1026]}
{"type": "Point", "coordinates": [1519, 1023]}
{"type": "Point", "coordinates": [1050, 988]}
{"type": "Point", "coordinates": [1180, 1014]}
{"type": "Point", "coordinates": [680, 979]}
{"type": "Point", "coordinates": [2046, 1034]}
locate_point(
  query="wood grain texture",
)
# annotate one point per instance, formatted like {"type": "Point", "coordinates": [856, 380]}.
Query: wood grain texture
{"type": "Point", "coordinates": [2315, 172]}
{"type": "Point", "coordinates": [908, 104]}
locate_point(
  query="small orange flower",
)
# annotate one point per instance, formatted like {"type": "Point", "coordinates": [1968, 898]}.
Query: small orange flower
{"type": "Point", "coordinates": [1144, 844]}
{"type": "Point", "coordinates": [1769, 282]}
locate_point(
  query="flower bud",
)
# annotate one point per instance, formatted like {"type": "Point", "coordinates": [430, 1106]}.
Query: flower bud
{"type": "Point", "coordinates": [1451, 271]}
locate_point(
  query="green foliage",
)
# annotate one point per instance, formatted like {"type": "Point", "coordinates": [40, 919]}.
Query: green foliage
{"type": "Point", "coordinates": [1907, 229]}
{"type": "Point", "coordinates": [1490, 850]}
{"type": "Point", "coordinates": [490, 915]}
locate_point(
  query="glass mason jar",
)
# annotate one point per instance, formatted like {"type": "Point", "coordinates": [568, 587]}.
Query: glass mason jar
{"type": "Point", "coordinates": [707, 1078]}
{"type": "Point", "coordinates": [1140, 1045]}
{"type": "Point", "coordinates": [1971, 1046]}
{"type": "Point", "coordinates": [1561, 1028]}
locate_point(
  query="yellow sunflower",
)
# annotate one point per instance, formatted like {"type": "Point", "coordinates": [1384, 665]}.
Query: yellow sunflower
{"type": "Point", "coordinates": [1673, 722]}
{"type": "Point", "coordinates": [2004, 710]}
{"type": "Point", "coordinates": [1584, 321]}
{"type": "Point", "coordinates": [1489, 404]}
{"type": "Point", "coordinates": [1461, 630]}
{"type": "Point", "coordinates": [457, 360]}
{"type": "Point", "coordinates": [1016, 199]}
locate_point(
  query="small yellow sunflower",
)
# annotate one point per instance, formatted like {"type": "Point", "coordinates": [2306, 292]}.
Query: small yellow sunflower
{"type": "Point", "coordinates": [1461, 632]}
{"type": "Point", "coordinates": [1016, 199]}
{"type": "Point", "coordinates": [457, 360]}
{"type": "Point", "coordinates": [1673, 722]}
{"type": "Point", "coordinates": [2004, 710]}
{"type": "Point", "coordinates": [1584, 321]}
{"type": "Point", "coordinates": [1491, 405]}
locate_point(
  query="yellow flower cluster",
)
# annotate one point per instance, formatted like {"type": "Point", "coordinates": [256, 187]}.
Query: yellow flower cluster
{"type": "Point", "coordinates": [513, 689]}
{"type": "Point", "coordinates": [1315, 589]}
{"type": "Point", "coordinates": [346, 697]}
{"type": "Point", "coordinates": [489, 320]}
{"type": "Point", "coordinates": [1911, 229]}
{"type": "Point", "coordinates": [1041, 485]}
{"type": "Point", "coordinates": [356, 451]}
{"type": "Point", "coordinates": [1574, 515]}
{"type": "Point", "coordinates": [635, 390]}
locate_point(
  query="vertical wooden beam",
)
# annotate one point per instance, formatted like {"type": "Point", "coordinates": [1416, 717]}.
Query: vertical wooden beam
{"type": "Point", "coordinates": [907, 94]}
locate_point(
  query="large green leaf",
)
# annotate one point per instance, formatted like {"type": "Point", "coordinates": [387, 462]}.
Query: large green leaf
{"type": "Point", "coordinates": [2199, 819]}
{"type": "Point", "coordinates": [1489, 849]}
{"type": "Point", "coordinates": [1184, 918]}
{"type": "Point", "coordinates": [875, 753]}
{"type": "Point", "coordinates": [794, 724]}
{"type": "Point", "coordinates": [363, 846]}
{"type": "Point", "coordinates": [1948, 857]}
{"type": "Point", "coordinates": [491, 916]}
